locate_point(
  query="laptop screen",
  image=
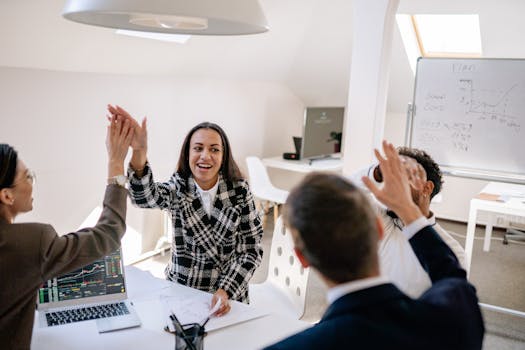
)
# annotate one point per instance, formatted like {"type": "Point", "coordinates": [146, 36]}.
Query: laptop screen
{"type": "Point", "coordinates": [104, 277]}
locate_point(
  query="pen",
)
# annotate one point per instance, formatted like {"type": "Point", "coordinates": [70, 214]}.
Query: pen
{"type": "Point", "coordinates": [212, 311]}
{"type": "Point", "coordinates": [205, 321]}
{"type": "Point", "coordinates": [180, 330]}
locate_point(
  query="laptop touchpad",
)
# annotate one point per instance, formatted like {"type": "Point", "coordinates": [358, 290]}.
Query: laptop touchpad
{"type": "Point", "coordinates": [109, 324]}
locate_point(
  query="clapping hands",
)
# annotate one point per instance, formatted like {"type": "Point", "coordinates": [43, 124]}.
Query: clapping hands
{"type": "Point", "coordinates": [139, 142]}
{"type": "Point", "coordinates": [118, 139]}
{"type": "Point", "coordinates": [140, 137]}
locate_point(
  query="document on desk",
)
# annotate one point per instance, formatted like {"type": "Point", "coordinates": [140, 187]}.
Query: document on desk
{"type": "Point", "coordinates": [142, 285]}
{"type": "Point", "coordinates": [503, 192]}
{"type": "Point", "coordinates": [196, 309]}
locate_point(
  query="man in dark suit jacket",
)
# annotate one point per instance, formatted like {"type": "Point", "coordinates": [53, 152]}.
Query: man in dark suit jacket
{"type": "Point", "coordinates": [336, 232]}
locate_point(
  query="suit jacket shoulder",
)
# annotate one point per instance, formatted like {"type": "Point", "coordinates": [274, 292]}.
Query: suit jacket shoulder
{"type": "Point", "coordinates": [383, 317]}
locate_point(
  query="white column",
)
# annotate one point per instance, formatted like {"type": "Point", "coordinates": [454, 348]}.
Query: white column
{"type": "Point", "coordinates": [373, 25]}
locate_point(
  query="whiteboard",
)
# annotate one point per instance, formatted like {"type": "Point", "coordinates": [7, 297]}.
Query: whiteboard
{"type": "Point", "coordinates": [469, 115]}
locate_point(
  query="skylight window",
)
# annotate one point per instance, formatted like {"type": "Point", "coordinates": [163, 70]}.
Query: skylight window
{"type": "Point", "coordinates": [448, 35]}
{"type": "Point", "coordinates": [439, 36]}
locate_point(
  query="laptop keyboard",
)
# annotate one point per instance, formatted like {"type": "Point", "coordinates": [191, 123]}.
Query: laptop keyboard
{"type": "Point", "coordinates": [86, 313]}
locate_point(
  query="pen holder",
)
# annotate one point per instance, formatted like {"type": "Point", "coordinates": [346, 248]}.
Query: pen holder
{"type": "Point", "coordinates": [194, 334]}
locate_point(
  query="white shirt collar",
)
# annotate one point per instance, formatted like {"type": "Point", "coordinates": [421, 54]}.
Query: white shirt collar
{"type": "Point", "coordinates": [207, 196]}
{"type": "Point", "coordinates": [212, 190]}
{"type": "Point", "coordinates": [338, 291]}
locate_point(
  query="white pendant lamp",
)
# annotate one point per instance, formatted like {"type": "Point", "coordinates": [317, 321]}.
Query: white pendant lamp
{"type": "Point", "coordinates": [196, 17]}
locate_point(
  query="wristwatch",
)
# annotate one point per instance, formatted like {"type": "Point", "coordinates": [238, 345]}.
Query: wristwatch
{"type": "Point", "coordinates": [120, 180]}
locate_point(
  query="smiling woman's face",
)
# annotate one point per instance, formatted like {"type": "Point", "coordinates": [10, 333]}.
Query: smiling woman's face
{"type": "Point", "coordinates": [205, 157]}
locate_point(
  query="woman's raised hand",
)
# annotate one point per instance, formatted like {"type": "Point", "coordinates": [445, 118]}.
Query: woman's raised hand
{"type": "Point", "coordinates": [118, 139]}
{"type": "Point", "coordinates": [140, 137]}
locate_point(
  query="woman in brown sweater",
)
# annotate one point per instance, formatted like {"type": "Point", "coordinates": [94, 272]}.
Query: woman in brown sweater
{"type": "Point", "coordinates": [31, 253]}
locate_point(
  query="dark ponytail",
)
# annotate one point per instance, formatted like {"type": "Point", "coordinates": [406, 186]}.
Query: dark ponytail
{"type": "Point", "coordinates": [8, 161]}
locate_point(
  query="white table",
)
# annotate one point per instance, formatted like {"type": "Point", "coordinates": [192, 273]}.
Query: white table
{"type": "Point", "coordinates": [495, 198]}
{"type": "Point", "coordinates": [305, 165]}
{"type": "Point", "coordinates": [490, 200]}
{"type": "Point", "coordinates": [252, 334]}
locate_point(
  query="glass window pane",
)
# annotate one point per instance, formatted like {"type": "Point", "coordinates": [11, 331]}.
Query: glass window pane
{"type": "Point", "coordinates": [449, 33]}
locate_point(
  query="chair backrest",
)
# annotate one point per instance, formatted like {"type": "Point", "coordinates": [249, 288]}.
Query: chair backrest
{"type": "Point", "coordinates": [285, 271]}
{"type": "Point", "coordinates": [259, 179]}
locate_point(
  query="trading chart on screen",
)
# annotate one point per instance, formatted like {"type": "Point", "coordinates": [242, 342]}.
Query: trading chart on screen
{"type": "Point", "coordinates": [102, 277]}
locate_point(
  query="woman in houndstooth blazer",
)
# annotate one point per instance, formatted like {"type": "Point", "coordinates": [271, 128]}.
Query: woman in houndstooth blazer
{"type": "Point", "coordinates": [217, 230]}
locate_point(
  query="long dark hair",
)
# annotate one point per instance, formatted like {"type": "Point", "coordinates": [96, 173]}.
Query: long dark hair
{"type": "Point", "coordinates": [229, 169]}
{"type": "Point", "coordinates": [8, 161]}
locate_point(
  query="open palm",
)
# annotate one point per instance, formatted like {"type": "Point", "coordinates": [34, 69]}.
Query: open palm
{"type": "Point", "coordinates": [140, 136]}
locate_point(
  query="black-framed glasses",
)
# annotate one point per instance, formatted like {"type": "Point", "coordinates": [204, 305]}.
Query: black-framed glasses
{"type": "Point", "coordinates": [29, 177]}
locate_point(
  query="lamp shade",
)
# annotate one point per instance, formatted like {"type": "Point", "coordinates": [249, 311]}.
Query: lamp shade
{"type": "Point", "coordinates": [195, 17]}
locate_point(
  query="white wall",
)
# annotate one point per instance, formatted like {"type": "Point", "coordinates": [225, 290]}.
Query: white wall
{"type": "Point", "coordinates": [56, 121]}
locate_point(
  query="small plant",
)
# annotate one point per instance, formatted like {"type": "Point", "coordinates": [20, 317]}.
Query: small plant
{"type": "Point", "coordinates": [335, 136]}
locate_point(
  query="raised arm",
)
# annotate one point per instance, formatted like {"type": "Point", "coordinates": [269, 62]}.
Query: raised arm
{"type": "Point", "coordinates": [434, 255]}
{"type": "Point", "coordinates": [144, 191]}
{"type": "Point", "coordinates": [64, 253]}
{"type": "Point", "coordinates": [139, 143]}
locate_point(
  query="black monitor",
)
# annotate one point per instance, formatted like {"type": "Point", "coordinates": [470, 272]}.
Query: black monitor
{"type": "Point", "coordinates": [322, 132]}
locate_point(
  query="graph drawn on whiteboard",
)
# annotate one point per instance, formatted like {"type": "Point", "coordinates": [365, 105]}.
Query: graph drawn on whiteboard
{"type": "Point", "coordinates": [470, 113]}
{"type": "Point", "coordinates": [490, 104]}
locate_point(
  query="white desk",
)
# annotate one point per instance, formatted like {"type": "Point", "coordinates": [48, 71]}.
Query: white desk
{"type": "Point", "coordinates": [305, 166]}
{"type": "Point", "coordinates": [252, 334]}
{"type": "Point", "coordinates": [490, 200]}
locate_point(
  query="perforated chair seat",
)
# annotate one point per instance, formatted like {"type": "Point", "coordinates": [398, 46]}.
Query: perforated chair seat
{"type": "Point", "coordinates": [268, 296]}
{"type": "Point", "coordinates": [284, 290]}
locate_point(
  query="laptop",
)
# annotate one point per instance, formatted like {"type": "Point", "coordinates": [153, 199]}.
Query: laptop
{"type": "Point", "coordinates": [94, 292]}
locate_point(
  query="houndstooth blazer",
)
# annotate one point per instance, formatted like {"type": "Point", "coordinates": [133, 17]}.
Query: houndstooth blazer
{"type": "Point", "coordinates": [208, 252]}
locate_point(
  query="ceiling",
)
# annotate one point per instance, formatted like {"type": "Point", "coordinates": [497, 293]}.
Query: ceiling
{"type": "Point", "coordinates": [308, 47]}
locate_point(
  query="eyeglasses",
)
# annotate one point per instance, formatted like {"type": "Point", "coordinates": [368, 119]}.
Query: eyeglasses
{"type": "Point", "coordinates": [30, 177]}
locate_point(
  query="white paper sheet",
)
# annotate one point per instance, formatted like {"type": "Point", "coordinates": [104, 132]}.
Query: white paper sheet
{"type": "Point", "coordinates": [196, 308]}
{"type": "Point", "coordinates": [142, 285]}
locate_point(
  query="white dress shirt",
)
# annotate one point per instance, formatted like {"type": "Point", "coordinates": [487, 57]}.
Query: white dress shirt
{"type": "Point", "coordinates": [340, 290]}
{"type": "Point", "coordinates": [208, 197]}
{"type": "Point", "coordinates": [397, 259]}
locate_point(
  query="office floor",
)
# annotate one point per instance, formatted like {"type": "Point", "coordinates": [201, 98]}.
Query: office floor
{"type": "Point", "coordinates": [498, 276]}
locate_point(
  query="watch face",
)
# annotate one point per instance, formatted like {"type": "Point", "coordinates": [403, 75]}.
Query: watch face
{"type": "Point", "coordinates": [121, 180]}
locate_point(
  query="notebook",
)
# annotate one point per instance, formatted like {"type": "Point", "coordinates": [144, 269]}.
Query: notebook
{"type": "Point", "coordinates": [94, 292]}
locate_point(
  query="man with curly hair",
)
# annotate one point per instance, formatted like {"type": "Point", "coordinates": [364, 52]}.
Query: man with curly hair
{"type": "Point", "coordinates": [336, 232]}
{"type": "Point", "coordinates": [397, 259]}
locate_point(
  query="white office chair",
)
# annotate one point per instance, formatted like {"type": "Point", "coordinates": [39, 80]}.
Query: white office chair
{"type": "Point", "coordinates": [263, 189]}
{"type": "Point", "coordinates": [284, 290]}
